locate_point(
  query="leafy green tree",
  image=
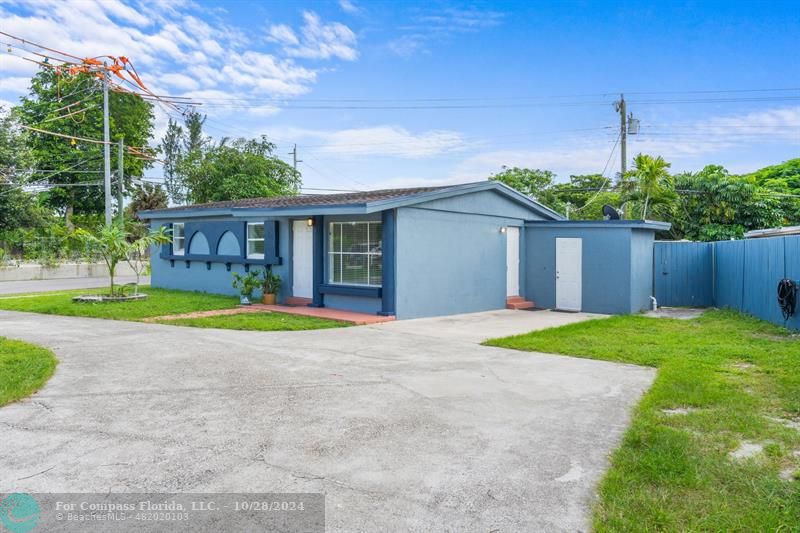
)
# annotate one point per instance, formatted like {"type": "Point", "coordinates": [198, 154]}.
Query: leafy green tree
{"type": "Point", "coordinates": [182, 148]}
{"type": "Point", "coordinates": [784, 181]}
{"type": "Point", "coordinates": [528, 181]}
{"type": "Point", "coordinates": [239, 169]}
{"type": "Point", "coordinates": [52, 97]}
{"type": "Point", "coordinates": [584, 196]}
{"type": "Point", "coordinates": [147, 196]}
{"type": "Point", "coordinates": [171, 149]}
{"type": "Point", "coordinates": [194, 141]}
{"type": "Point", "coordinates": [536, 183]}
{"type": "Point", "coordinates": [714, 205]}
{"type": "Point", "coordinates": [648, 183]}
{"type": "Point", "coordinates": [18, 208]}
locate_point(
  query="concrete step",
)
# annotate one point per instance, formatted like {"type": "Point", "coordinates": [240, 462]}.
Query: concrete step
{"type": "Point", "coordinates": [510, 299]}
{"type": "Point", "coordinates": [520, 305]}
{"type": "Point", "coordinates": [297, 300]}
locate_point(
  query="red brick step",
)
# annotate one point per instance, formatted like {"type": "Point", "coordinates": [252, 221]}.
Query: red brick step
{"type": "Point", "coordinates": [518, 302]}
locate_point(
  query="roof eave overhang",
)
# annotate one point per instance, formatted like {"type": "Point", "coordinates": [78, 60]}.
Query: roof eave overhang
{"type": "Point", "coordinates": [508, 192]}
{"type": "Point", "coordinates": [654, 225]}
{"type": "Point", "coordinates": [357, 209]}
{"type": "Point", "coordinates": [251, 212]}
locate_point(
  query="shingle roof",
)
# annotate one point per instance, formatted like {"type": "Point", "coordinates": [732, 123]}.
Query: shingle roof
{"type": "Point", "coordinates": [349, 198]}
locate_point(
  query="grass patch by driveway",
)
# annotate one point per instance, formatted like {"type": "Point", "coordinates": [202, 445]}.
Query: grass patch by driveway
{"type": "Point", "coordinates": [268, 321]}
{"type": "Point", "coordinates": [163, 302]}
{"type": "Point", "coordinates": [24, 368]}
{"type": "Point", "coordinates": [715, 444]}
{"type": "Point", "coordinates": [160, 302]}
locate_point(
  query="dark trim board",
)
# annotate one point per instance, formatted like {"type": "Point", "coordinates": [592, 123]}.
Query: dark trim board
{"type": "Point", "coordinates": [350, 290]}
{"type": "Point", "coordinates": [213, 232]}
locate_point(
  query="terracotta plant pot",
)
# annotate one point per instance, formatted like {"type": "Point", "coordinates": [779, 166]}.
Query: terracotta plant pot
{"type": "Point", "coordinates": [268, 299]}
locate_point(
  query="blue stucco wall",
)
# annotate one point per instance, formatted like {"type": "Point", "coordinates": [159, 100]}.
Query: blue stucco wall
{"type": "Point", "coordinates": [606, 267]}
{"type": "Point", "coordinates": [449, 263]}
{"type": "Point", "coordinates": [488, 203]}
{"type": "Point", "coordinates": [217, 280]}
{"type": "Point", "coordinates": [451, 254]}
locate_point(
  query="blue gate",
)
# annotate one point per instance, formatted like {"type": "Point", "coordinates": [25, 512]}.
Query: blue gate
{"type": "Point", "coordinates": [683, 274]}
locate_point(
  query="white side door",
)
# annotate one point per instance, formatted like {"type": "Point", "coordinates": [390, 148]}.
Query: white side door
{"type": "Point", "coordinates": [302, 259]}
{"type": "Point", "coordinates": [512, 261]}
{"type": "Point", "coordinates": [569, 268]}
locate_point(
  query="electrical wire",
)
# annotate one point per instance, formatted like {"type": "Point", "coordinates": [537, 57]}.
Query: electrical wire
{"type": "Point", "coordinates": [608, 180]}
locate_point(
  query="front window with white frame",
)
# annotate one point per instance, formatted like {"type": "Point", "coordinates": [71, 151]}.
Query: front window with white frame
{"type": "Point", "coordinates": [354, 253]}
{"type": "Point", "coordinates": [178, 239]}
{"type": "Point", "coordinates": [255, 240]}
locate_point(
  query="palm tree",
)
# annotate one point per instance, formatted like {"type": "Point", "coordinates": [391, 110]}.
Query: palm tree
{"type": "Point", "coordinates": [113, 244]}
{"type": "Point", "coordinates": [649, 182]}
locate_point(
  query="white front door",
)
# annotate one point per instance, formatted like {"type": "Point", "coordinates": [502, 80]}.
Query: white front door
{"type": "Point", "coordinates": [302, 259]}
{"type": "Point", "coordinates": [512, 261]}
{"type": "Point", "coordinates": [569, 257]}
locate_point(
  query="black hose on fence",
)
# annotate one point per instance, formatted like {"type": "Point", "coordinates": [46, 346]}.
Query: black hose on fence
{"type": "Point", "coordinates": [787, 297]}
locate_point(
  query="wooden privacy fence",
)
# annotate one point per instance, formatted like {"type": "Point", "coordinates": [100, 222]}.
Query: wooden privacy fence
{"type": "Point", "coordinates": [741, 275]}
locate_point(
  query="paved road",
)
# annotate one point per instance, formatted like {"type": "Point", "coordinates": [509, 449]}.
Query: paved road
{"type": "Point", "coordinates": [48, 285]}
{"type": "Point", "coordinates": [408, 425]}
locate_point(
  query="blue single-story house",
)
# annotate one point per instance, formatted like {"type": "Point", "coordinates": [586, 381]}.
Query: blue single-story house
{"type": "Point", "coordinates": [411, 253]}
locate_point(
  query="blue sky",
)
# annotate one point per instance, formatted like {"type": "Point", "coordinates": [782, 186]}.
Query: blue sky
{"type": "Point", "coordinates": [402, 93]}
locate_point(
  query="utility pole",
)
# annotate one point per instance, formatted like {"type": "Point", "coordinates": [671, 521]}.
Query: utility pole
{"type": "Point", "coordinates": [623, 133]}
{"type": "Point", "coordinates": [106, 147]}
{"type": "Point", "coordinates": [121, 188]}
{"type": "Point", "coordinates": [293, 153]}
{"type": "Point", "coordinates": [627, 126]}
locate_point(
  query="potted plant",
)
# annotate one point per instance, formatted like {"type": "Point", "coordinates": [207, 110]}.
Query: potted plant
{"type": "Point", "coordinates": [271, 286]}
{"type": "Point", "coordinates": [247, 284]}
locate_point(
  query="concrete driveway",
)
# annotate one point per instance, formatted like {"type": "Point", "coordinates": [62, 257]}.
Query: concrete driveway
{"type": "Point", "coordinates": [404, 426]}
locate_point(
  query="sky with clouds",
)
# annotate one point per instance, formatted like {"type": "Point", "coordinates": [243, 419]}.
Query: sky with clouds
{"type": "Point", "coordinates": [413, 93]}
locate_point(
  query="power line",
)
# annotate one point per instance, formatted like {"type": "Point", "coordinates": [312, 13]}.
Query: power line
{"type": "Point", "coordinates": [409, 107]}
{"type": "Point", "coordinates": [278, 101]}
{"type": "Point", "coordinates": [607, 180]}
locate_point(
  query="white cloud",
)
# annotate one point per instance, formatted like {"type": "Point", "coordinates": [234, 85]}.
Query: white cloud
{"type": "Point", "coordinates": [181, 81]}
{"type": "Point", "coordinates": [384, 141]}
{"type": "Point", "coordinates": [15, 84]}
{"type": "Point", "coordinates": [688, 145]}
{"type": "Point", "coordinates": [317, 40]}
{"type": "Point", "coordinates": [283, 34]}
{"type": "Point", "coordinates": [349, 7]}
{"type": "Point", "coordinates": [428, 26]}
{"type": "Point", "coordinates": [588, 158]}
{"type": "Point", "coordinates": [720, 132]}
{"type": "Point", "coordinates": [407, 45]}
{"type": "Point", "coordinates": [173, 49]}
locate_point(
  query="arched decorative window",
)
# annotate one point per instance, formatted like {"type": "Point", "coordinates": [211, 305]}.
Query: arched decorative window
{"type": "Point", "coordinates": [229, 245]}
{"type": "Point", "coordinates": [199, 244]}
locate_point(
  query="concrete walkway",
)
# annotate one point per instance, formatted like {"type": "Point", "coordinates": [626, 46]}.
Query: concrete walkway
{"type": "Point", "coordinates": [48, 285]}
{"type": "Point", "coordinates": [340, 315]}
{"type": "Point", "coordinates": [408, 425]}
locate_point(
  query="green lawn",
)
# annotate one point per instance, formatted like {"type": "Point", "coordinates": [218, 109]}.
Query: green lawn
{"type": "Point", "coordinates": [163, 302]}
{"type": "Point", "coordinates": [739, 378]}
{"type": "Point", "coordinates": [24, 368]}
{"type": "Point", "coordinates": [258, 322]}
{"type": "Point", "coordinates": [160, 302]}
